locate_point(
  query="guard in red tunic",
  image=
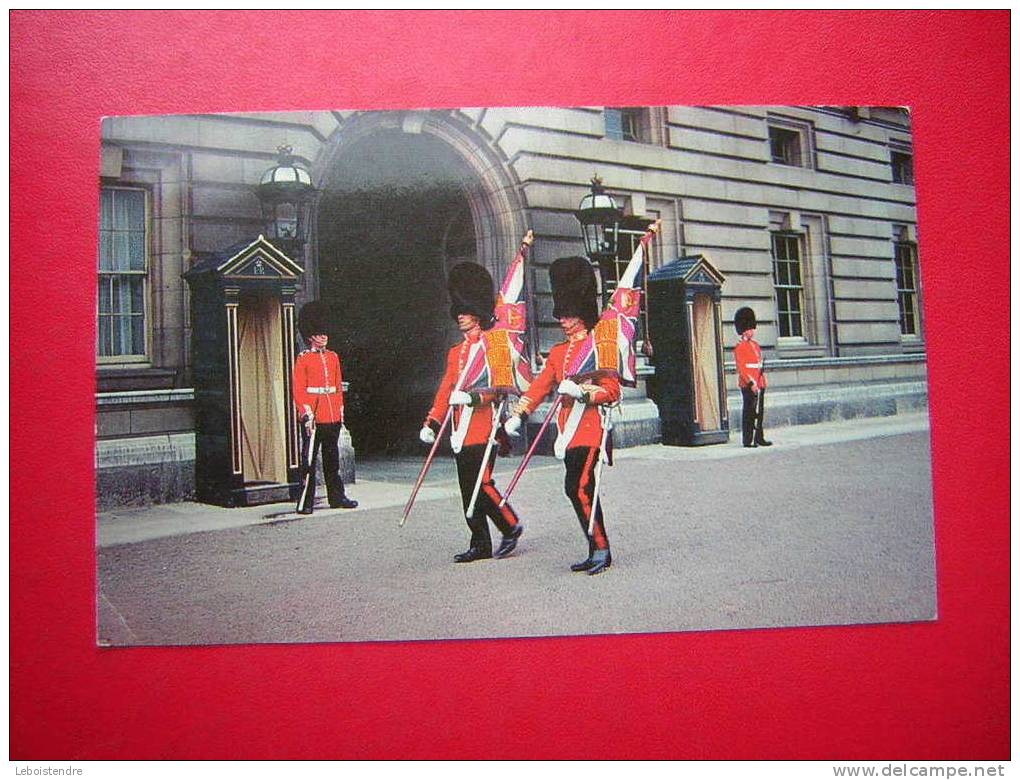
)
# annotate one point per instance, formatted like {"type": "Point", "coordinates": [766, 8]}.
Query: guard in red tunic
{"type": "Point", "coordinates": [472, 304]}
{"type": "Point", "coordinates": [319, 398]}
{"type": "Point", "coordinates": [751, 378]}
{"type": "Point", "coordinates": [580, 423]}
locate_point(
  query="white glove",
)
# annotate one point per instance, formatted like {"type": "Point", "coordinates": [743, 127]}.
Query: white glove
{"type": "Point", "coordinates": [460, 398]}
{"type": "Point", "coordinates": [309, 421]}
{"type": "Point", "coordinates": [513, 426]}
{"type": "Point", "coordinates": [427, 435]}
{"type": "Point", "coordinates": [568, 387]}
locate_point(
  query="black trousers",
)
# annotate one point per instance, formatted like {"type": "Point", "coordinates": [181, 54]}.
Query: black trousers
{"type": "Point", "coordinates": [753, 416]}
{"type": "Point", "coordinates": [579, 485]}
{"type": "Point", "coordinates": [469, 462]}
{"type": "Point", "coordinates": [326, 436]}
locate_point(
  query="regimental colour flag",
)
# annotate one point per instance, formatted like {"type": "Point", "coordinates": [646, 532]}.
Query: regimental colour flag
{"type": "Point", "coordinates": [610, 346]}
{"type": "Point", "coordinates": [505, 365]}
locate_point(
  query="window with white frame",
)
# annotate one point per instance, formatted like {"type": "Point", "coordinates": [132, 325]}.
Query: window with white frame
{"type": "Point", "coordinates": [631, 230]}
{"type": "Point", "coordinates": [123, 265]}
{"type": "Point", "coordinates": [790, 142]}
{"type": "Point", "coordinates": [788, 279]}
{"type": "Point", "coordinates": [902, 163]}
{"type": "Point", "coordinates": [907, 286]}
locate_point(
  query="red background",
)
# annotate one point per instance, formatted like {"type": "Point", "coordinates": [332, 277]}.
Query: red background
{"type": "Point", "coordinates": [938, 690]}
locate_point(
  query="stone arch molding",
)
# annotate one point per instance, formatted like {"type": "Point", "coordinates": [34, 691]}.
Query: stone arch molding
{"type": "Point", "coordinates": [494, 196]}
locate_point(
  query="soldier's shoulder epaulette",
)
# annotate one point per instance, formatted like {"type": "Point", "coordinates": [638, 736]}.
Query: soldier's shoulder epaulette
{"type": "Point", "coordinates": [303, 352]}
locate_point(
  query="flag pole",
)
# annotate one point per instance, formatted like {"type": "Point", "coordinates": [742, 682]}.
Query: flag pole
{"type": "Point", "coordinates": [531, 451]}
{"type": "Point", "coordinates": [497, 413]}
{"type": "Point", "coordinates": [432, 452]}
{"type": "Point", "coordinates": [425, 468]}
{"type": "Point", "coordinates": [598, 470]}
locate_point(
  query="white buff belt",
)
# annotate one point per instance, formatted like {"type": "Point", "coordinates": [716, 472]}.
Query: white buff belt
{"type": "Point", "coordinates": [566, 434]}
{"type": "Point", "coordinates": [460, 429]}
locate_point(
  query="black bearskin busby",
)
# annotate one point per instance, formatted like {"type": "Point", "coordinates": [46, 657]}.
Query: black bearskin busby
{"type": "Point", "coordinates": [574, 291]}
{"type": "Point", "coordinates": [744, 319]}
{"type": "Point", "coordinates": [472, 292]}
{"type": "Point", "coordinates": [313, 320]}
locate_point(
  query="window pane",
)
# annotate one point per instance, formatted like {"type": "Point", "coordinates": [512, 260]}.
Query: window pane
{"type": "Point", "coordinates": [137, 335]}
{"type": "Point", "coordinates": [124, 325]}
{"type": "Point", "coordinates": [106, 251]}
{"type": "Point", "coordinates": [782, 273]}
{"type": "Point", "coordinates": [104, 336]}
{"type": "Point", "coordinates": [908, 270]}
{"type": "Point", "coordinates": [116, 347]}
{"type": "Point", "coordinates": [106, 209]}
{"type": "Point", "coordinates": [121, 252]}
{"type": "Point", "coordinates": [134, 209]}
{"type": "Point", "coordinates": [614, 123]}
{"type": "Point", "coordinates": [136, 249]}
{"type": "Point", "coordinates": [122, 295]}
{"type": "Point", "coordinates": [137, 301]}
{"type": "Point", "coordinates": [631, 122]}
{"type": "Point", "coordinates": [104, 296]}
{"type": "Point", "coordinates": [796, 324]}
{"type": "Point", "coordinates": [120, 210]}
{"type": "Point", "coordinates": [795, 274]}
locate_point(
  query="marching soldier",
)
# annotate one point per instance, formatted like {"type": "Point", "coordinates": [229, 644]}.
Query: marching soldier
{"type": "Point", "coordinates": [472, 304]}
{"type": "Point", "coordinates": [582, 436]}
{"type": "Point", "coordinates": [751, 378]}
{"type": "Point", "coordinates": [319, 397]}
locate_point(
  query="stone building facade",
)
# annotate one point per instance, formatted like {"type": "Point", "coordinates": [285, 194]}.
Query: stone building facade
{"type": "Point", "coordinates": [808, 212]}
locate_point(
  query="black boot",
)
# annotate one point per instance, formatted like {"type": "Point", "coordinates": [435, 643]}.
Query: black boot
{"type": "Point", "coordinates": [762, 442]}
{"type": "Point", "coordinates": [587, 563]}
{"type": "Point", "coordinates": [344, 502]}
{"type": "Point", "coordinates": [601, 560]}
{"type": "Point", "coordinates": [509, 542]}
{"type": "Point", "coordinates": [472, 554]}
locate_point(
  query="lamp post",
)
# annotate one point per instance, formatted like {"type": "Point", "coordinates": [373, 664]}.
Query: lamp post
{"type": "Point", "coordinates": [600, 223]}
{"type": "Point", "coordinates": [285, 193]}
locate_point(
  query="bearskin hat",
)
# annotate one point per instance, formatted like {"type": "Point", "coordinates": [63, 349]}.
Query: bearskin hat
{"type": "Point", "coordinates": [574, 291]}
{"type": "Point", "coordinates": [472, 292]}
{"type": "Point", "coordinates": [744, 319]}
{"type": "Point", "coordinates": [313, 320]}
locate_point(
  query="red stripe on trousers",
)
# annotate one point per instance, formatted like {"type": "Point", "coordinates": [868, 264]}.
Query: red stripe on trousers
{"type": "Point", "coordinates": [598, 532]}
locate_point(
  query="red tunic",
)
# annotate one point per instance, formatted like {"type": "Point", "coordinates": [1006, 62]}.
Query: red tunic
{"type": "Point", "coordinates": [604, 390]}
{"type": "Point", "coordinates": [747, 353]}
{"type": "Point", "coordinates": [480, 426]}
{"type": "Point", "coordinates": [318, 385]}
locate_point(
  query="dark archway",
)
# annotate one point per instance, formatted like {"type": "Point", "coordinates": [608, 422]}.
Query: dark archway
{"type": "Point", "coordinates": [393, 217]}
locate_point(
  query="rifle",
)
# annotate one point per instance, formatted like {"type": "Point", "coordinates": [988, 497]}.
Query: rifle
{"type": "Point", "coordinates": [309, 460]}
{"type": "Point", "coordinates": [759, 404]}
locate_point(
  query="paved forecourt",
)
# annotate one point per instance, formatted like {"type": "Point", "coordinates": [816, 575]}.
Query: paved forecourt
{"type": "Point", "coordinates": [833, 525]}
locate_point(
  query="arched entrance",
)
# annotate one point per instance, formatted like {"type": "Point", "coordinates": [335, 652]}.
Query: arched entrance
{"type": "Point", "coordinates": [397, 210]}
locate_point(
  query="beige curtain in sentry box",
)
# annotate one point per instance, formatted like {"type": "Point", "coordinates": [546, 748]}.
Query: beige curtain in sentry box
{"type": "Point", "coordinates": [260, 367]}
{"type": "Point", "coordinates": [706, 364]}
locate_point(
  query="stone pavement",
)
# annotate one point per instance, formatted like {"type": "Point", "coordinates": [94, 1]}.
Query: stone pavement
{"type": "Point", "coordinates": [386, 483]}
{"type": "Point", "coordinates": [832, 525]}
